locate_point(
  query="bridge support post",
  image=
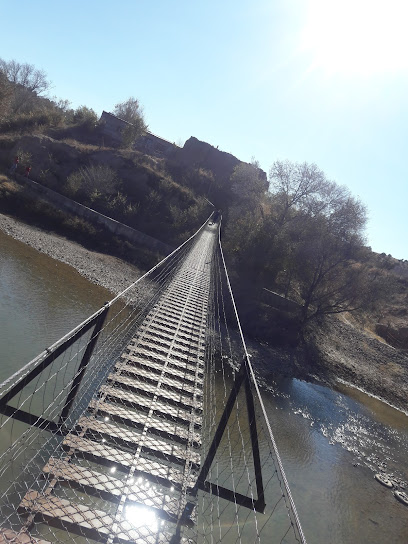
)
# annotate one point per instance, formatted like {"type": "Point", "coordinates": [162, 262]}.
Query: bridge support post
{"type": "Point", "coordinates": [243, 376]}
{"type": "Point", "coordinates": [82, 366]}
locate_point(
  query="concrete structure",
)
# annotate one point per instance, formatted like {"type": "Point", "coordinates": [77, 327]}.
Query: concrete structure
{"type": "Point", "coordinates": [280, 303]}
{"type": "Point", "coordinates": [154, 145]}
{"type": "Point", "coordinates": [194, 153]}
{"type": "Point", "coordinates": [115, 227]}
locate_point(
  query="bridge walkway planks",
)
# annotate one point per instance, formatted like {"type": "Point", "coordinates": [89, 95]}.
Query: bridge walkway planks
{"type": "Point", "coordinates": [138, 444]}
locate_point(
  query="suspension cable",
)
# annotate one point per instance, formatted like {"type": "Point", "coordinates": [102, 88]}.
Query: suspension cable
{"type": "Point", "coordinates": [247, 356]}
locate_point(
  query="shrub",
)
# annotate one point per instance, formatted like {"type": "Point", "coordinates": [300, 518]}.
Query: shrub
{"type": "Point", "coordinates": [93, 181]}
{"type": "Point", "coordinates": [86, 117]}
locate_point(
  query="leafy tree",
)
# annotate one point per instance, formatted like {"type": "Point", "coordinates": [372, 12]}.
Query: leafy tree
{"type": "Point", "coordinates": [85, 116]}
{"type": "Point", "coordinates": [132, 112]}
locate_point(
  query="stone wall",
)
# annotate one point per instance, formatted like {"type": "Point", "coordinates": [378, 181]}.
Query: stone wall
{"type": "Point", "coordinates": [149, 143]}
{"type": "Point", "coordinates": [154, 145]}
{"type": "Point", "coordinates": [115, 227]}
{"type": "Point", "coordinates": [112, 127]}
{"type": "Point", "coordinates": [194, 153]}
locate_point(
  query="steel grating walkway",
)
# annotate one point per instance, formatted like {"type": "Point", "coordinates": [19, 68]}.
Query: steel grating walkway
{"type": "Point", "coordinates": [144, 424]}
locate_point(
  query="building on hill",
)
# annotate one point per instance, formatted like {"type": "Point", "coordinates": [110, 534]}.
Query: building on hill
{"type": "Point", "coordinates": [112, 127]}
{"type": "Point", "coordinates": [149, 143]}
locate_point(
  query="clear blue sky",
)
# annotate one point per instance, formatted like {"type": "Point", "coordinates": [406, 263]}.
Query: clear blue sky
{"type": "Point", "coordinates": [320, 81]}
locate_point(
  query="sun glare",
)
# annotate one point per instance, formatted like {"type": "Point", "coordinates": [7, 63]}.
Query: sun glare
{"type": "Point", "coordinates": [357, 36]}
{"type": "Point", "coordinates": [139, 516]}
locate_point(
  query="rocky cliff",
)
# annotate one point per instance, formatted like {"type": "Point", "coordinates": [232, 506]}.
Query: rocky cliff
{"type": "Point", "coordinates": [200, 154]}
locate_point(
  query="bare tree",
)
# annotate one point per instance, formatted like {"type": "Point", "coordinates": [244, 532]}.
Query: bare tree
{"type": "Point", "coordinates": [6, 94]}
{"type": "Point", "coordinates": [26, 75]}
{"type": "Point", "coordinates": [323, 227]}
{"type": "Point", "coordinates": [302, 186]}
{"type": "Point", "coordinates": [326, 265]}
{"type": "Point", "coordinates": [27, 84]}
{"type": "Point", "coordinates": [129, 110]}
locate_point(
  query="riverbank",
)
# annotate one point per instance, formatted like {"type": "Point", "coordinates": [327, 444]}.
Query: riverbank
{"type": "Point", "coordinates": [358, 358]}
{"type": "Point", "coordinates": [99, 268]}
{"type": "Point", "coordinates": [336, 351]}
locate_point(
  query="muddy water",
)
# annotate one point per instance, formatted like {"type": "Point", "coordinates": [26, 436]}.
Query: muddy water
{"type": "Point", "coordinates": [331, 442]}
{"type": "Point", "coordinates": [40, 300]}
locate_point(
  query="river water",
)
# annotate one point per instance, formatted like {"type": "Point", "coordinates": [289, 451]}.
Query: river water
{"type": "Point", "coordinates": [331, 442]}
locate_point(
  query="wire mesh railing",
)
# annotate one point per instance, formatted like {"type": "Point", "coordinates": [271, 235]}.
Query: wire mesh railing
{"type": "Point", "coordinates": [143, 424]}
{"type": "Point", "coordinates": [259, 507]}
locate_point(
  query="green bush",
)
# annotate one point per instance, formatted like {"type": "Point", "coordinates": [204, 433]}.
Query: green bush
{"type": "Point", "coordinates": [86, 117]}
{"type": "Point", "coordinates": [34, 120]}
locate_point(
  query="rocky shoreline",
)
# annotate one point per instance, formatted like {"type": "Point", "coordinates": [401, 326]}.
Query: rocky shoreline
{"type": "Point", "coordinates": [99, 268]}
{"type": "Point", "coordinates": [354, 356]}
{"type": "Point", "coordinates": [341, 353]}
{"type": "Point", "coordinates": [338, 353]}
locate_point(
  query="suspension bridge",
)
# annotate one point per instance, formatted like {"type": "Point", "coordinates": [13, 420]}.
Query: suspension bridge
{"type": "Point", "coordinates": [144, 424]}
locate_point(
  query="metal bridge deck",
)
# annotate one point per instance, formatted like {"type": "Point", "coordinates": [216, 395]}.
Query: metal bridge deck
{"type": "Point", "coordinates": [141, 434]}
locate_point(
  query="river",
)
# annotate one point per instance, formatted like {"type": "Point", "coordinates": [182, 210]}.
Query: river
{"type": "Point", "coordinates": [331, 442]}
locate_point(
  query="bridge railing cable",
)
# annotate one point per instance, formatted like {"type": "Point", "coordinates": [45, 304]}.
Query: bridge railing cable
{"type": "Point", "coordinates": [250, 498]}
{"type": "Point", "coordinates": [287, 492]}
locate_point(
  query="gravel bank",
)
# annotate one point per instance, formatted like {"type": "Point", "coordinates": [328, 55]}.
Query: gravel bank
{"type": "Point", "coordinates": [356, 357]}
{"type": "Point", "coordinates": [105, 270]}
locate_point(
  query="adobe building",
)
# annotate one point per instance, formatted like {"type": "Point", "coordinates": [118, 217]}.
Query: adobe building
{"type": "Point", "coordinates": [149, 143]}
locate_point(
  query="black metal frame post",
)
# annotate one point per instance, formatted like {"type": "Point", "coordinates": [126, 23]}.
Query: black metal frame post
{"type": "Point", "coordinates": [82, 366]}
{"type": "Point", "coordinates": [258, 504]}
{"type": "Point", "coordinates": [31, 419]}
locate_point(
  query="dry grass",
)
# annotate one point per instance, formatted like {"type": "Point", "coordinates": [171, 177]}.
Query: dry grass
{"type": "Point", "coordinates": [85, 148]}
{"type": "Point", "coordinates": [9, 185]}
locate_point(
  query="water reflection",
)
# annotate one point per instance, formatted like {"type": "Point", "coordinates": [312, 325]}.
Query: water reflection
{"type": "Point", "coordinates": [331, 445]}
